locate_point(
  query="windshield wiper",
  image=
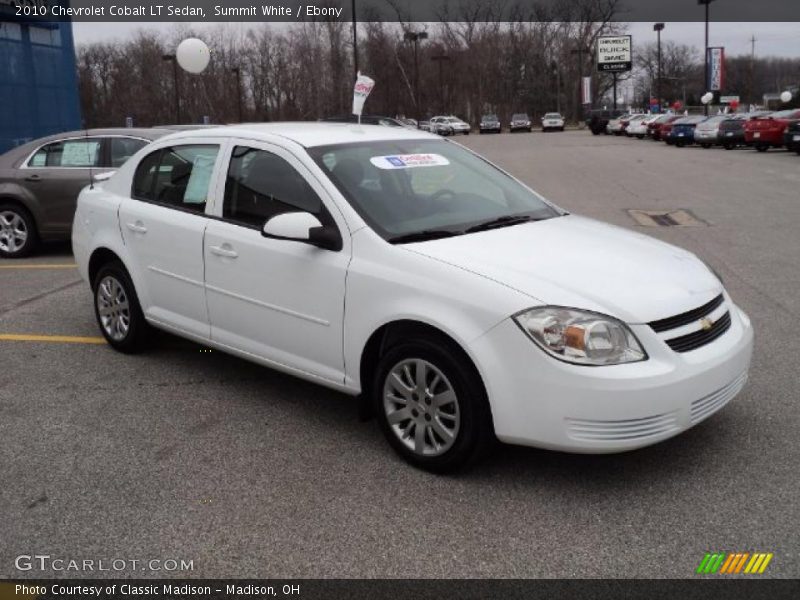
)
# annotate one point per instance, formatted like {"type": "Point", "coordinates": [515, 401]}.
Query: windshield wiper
{"type": "Point", "coordinates": [423, 236]}
{"type": "Point", "coordinates": [504, 221]}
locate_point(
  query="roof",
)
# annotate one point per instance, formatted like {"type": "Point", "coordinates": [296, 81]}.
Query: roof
{"type": "Point", "coordinates": [310, 134]}
{"type": "Point", "coordinates": [17, 153]}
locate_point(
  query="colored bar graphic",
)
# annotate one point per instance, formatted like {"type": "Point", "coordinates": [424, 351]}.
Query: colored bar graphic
{"type": "Point", "coordinates": [733, 563]}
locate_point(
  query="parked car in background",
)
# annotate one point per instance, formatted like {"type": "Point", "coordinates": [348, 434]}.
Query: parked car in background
{"type": "Point", "coordinates": [654, 129]}
{"type": "Point", "coordinates": [731, 131]}
{"type": "Point", "coordinates": [437, 127]}
{"type": "Point", "coordinates": [393, 266]}
{"type": "Point", "coordinates": [682, 133]}
{"type": "Point", "coordinates": [763, 133]}
{"type": "Point", "coordinates": [552, 122]}
{"type": "Point", "coordinates": [489, 124]}
{"type": "Point", "coordinates": [597, 119]}
{"type": "Point", "coordinates": [706, 133]}
{"type": "Point", "coordinates": [791, 137]}
{"type": "Point", "coordinates": [455, 124]}
{"type": "Point", "coordinates": [520, 122]}
{"type": "Point", "coordinates": [637, 126]}
{"type": "Point", "coordinates": [615, 125]}
{"type": "Point", "coordinates": [40, 181]}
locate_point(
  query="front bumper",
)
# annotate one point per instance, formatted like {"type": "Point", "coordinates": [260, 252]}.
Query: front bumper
{"type": "Point", "coordinates": [539, 401]}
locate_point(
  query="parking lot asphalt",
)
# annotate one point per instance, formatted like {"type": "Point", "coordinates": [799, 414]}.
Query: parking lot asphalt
{"type": "Point", "coordinates": [181, 453]}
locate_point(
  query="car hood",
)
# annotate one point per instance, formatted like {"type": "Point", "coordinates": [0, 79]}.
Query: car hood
{"type": "Point", "coordinates": [582, 263]}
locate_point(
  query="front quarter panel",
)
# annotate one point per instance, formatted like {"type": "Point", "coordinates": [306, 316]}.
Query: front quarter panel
{"type": "Point", "coordinates": [388, 283]}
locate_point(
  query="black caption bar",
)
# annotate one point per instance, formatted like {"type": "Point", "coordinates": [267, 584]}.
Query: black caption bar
{"type": "Point", "coordinates": [463, 589]}
{"type": "Point", "coordinates": [399, 10]}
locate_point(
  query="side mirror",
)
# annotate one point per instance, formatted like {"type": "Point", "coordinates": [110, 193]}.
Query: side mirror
{"type": "Point", "coordinates": [302, 227]}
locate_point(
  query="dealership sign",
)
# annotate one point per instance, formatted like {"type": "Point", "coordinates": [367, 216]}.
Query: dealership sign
{"type": "Point", "coordinates": [614, 54]}
{"type": "Point", "coordinates": [716, 69]}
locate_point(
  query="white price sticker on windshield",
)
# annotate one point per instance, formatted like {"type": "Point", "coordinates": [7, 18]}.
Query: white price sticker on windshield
{"type": "Point", "coordinates": [409, 161]}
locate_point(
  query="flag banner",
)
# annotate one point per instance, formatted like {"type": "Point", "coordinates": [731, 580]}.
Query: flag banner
{"type": "Point", "coordinates": [716, 69]}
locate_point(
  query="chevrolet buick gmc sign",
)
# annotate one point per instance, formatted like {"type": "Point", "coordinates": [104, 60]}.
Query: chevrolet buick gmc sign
{"type": "Point", "coordinates": [614, 54]}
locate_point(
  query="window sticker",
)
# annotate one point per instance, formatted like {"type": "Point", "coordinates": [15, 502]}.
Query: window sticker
{"type": "Point", "coordinates": [409, 161]}
{"type": "Point", "coordinates": [197, 188]}
{"type": "Point", "coordinates": [79, 153]}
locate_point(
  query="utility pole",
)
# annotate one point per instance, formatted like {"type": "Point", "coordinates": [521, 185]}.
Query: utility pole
{"type": "Point", "coordinates": [355, 42]}
{"type": "Point", "coordinates": [658, 28]}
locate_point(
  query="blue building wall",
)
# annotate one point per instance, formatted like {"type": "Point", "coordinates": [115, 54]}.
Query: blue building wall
{"type": "Point", "coordinates": [38, 79]}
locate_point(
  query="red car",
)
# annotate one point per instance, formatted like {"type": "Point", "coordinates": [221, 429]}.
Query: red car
{"type": "Point", "coordinates": [765, 132]}
{"type": "Point", "coordinates": [666, 128]}
{"type": "Point", "coordinates": [654, 128]}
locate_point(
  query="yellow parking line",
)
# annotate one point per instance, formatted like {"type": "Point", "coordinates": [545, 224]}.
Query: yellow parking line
{"type": "Point", "coordinates": [40, 266]}
{"type": "Point", "coordinates": [55, 339]}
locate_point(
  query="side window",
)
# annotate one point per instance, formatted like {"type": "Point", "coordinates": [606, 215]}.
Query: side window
{"type": "Point", "coordinates": [177, 176]}
{"type": "Point", "coordinates": [78, 153]}
{"type": "Point", "coordinates": [123, 148]}
{"type": "Point", "coordinates": [261, 185]}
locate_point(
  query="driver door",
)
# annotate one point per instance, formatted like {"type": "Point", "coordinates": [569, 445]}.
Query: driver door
{"type": "Point", "coordinates": [279, 300]}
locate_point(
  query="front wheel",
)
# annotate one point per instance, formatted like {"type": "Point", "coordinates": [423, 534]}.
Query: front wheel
{"type": "Point", "coordinates": [18, 236]}
{"type": "Point", "coordinates": [117, 309]}
{"type": "Point", "coordinates": [431, 405]}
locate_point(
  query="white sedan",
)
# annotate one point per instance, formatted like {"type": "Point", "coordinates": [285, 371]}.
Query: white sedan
{"type": "Point", "coordinates": [401, 267]}
{"type": "Point", "coordinates": [638, 127]}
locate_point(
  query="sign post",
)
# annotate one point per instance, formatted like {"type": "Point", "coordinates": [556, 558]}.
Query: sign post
{"type": "Point", "coordinates": [614, 56]}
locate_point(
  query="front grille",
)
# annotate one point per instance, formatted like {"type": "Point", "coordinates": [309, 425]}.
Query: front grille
{"type": "Point", "coordinates": [710, 404]}
{"type": "Point", "coordinates": [624, 430]}
{"type": "Point", "coordinates": [696, 339]}
{"type": "Point", "coordinates": [687, 317]}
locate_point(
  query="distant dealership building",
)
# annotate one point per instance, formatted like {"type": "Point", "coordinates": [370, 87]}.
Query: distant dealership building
{"type": "Point", "coordinates": [38, 78]}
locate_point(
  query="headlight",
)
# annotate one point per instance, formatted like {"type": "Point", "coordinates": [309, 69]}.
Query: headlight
{"type": "Point", "coordinates": [581, 337]}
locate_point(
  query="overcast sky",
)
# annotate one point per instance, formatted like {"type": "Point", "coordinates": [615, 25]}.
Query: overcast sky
{"type": "Point", "coordinates": [772, 39]}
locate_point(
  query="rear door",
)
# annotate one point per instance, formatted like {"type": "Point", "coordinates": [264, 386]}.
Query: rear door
{"type": "Point", "coordinates": [56, 173]}
{"type": "Point", "coordinates": [163, 223]}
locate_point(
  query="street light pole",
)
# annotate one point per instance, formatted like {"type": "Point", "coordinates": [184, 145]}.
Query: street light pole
{"type": "Point", "coordinates": [175, 85]}
{"type": "Point", "coordinates": [658, 28]}
{"type": "Point", "coordinates": [415, 37]}
{"type": "Point", "coordinates": [238, 72]}
{"type": "Point", "coordinates": [440, 58]}
{"type": "Point", "coordinates": [705, 81]}
{"type": "Point", "coordinates": [355, 42]}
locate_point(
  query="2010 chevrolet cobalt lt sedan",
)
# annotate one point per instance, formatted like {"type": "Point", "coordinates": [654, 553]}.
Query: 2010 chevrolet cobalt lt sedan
{"type": "Point", "coordinates": [395, 265]}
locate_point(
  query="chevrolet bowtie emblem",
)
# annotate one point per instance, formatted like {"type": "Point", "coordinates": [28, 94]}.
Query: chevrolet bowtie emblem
{"type": "Point", "coordinates": [706, 324]}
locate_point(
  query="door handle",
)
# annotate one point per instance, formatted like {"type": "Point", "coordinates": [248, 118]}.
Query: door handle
{"type": "Point", "coordinates": [137, 227]}
{"type": "Point", "coordinates": [224, 250]}
{"type": "Point", "coordinates": [33, 178]}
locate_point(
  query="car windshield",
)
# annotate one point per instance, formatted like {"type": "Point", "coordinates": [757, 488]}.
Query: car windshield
{"type": "Point", "coordinates": [552, 116]}
{"type": "Point", "coordinates": [419, 187]}
{"type": "Point", "coordinates": [490, 117]}
{"type": "Point", "coordinates": [783, 114]}
{"type": "Point", "coordinates": [453, 120]}
{"type": "Point", "coordinates": [520, 117]}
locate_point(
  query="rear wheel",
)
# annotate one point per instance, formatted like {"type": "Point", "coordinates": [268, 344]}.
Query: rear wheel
{"type": "Point", "coordinates": [431, 404]}
{"type": "Point", "coordinates": [762, 148]}
{"type": "Point", "coordinates": [706, 146]}
{"type": "Point", "coordinates": [729, 146]}
{"type": "Point", "coordinates": [18, 235]}
{"type": "Point", "coordinates": [117, 309]}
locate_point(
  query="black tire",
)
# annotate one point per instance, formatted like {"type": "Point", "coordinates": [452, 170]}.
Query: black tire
{"type": "Point", "coordinates": [19, 215]}
{"type": "Point", "coordinates": [706, 146]}
{"type": "Point", "coordinates": [680, 144]}
{"type": "Point", "coordinates": [561, 129]}
{"type": "Point", "coordinates": [729, 146]}
{"type": "Point", "coordinates": [138, 330]}
{"type": "Point", "coordinates": [762, 148]}
{"type": "Point", "coordinates": [475, 432]}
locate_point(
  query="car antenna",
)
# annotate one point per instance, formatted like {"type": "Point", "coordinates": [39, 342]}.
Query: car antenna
{"type": "Point", "coordinates": [91, 176]}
